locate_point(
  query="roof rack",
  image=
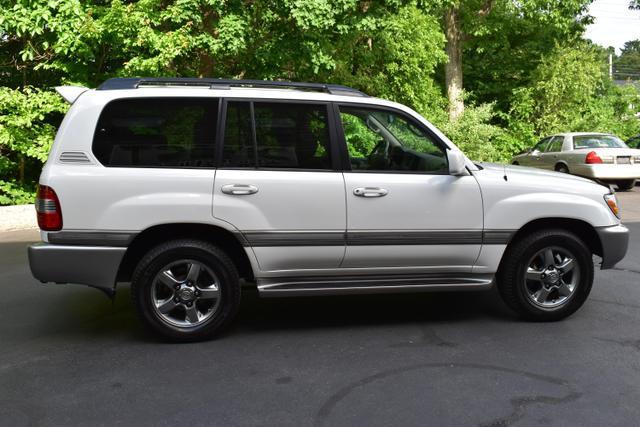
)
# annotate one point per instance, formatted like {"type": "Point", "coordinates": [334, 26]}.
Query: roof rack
{"type": "Point", "coordinates": [136, 82]}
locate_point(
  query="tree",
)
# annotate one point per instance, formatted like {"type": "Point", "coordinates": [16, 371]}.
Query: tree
{"type": "Point", "coordinates": [627, 64]}
{"type": "Point", "coordinates": [571, 91]}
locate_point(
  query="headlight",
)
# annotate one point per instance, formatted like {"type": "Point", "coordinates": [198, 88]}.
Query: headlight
{"type": "Point", "coordinates": [612, 202]}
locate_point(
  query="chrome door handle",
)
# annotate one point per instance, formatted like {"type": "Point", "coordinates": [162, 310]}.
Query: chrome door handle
{"type": "Point", "coordinates": [370, 192]}
{"type": "Point", "coordinates": [239, 189]}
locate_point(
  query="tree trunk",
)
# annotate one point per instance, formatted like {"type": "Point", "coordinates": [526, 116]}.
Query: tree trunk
{"type": "Point", "coordinates": [453, 68]}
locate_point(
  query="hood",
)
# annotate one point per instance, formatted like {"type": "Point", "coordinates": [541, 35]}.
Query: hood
{"type": "Point", "coordinates": [534, 172]}
{"type": "Point", "coordinates": [540, 178]}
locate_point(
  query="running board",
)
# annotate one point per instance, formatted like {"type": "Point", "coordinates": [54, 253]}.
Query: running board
{"type": "Point", "coordinates": [336, 285]}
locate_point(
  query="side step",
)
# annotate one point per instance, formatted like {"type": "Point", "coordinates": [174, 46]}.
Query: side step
{"type": "Point", "coordinates": [337, 285]}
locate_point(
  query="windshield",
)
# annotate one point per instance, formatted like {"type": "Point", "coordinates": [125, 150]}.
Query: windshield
{"type": "Point", "coordinates": [597, 141]}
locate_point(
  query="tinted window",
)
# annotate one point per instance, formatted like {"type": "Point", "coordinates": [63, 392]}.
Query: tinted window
{"type": "Point", "coordinates": [238, 150]}
{"type": "Point", "coordinates": [379, 140]}
{"type": "Point", "coordinates": [287, 136]}
{"type": "Point", "coordinates": [157, 132]}
{"type": "Point", "coordinates": [556, 144]}
{"type": "Point", "coordinates": [597, 141]}
{"type": "Point", "coordinates": [540, 146]}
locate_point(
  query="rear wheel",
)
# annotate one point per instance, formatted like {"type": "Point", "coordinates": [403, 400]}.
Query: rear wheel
{"type": "Point", "coordinates": [626, 185]}
{"type": "Point", "coordinates": [186, 290]}
{"type": "Point", "coordinates": [562, 168]}
{"type": "Point", "coordinates": [546, 275]}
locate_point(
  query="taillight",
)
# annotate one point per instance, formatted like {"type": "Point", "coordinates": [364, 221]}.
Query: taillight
{"type": "Point", "coordinates": [592, 158]}
{"type": "Point", "coordinates": [48, 209]}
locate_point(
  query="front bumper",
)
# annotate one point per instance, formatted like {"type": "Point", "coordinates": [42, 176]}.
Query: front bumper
{"type": "Point", "coordinates": [607, 171]}
{"type": "Point", "coordinates": [95, 266]}
{"type": "Point", "coordinates": [615, 241]}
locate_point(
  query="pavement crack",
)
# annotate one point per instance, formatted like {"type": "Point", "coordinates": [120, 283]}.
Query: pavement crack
{"type": "Point", "coordinates": [634, 343]}
{"type": "Point", "coordinates": [626, 270]}
{"type": "Point", "coordinates": [620, 304]}
{"type": "Point", "coordinates": [519, 404]}
{"type": "Point", "coordinates": [429, 338]}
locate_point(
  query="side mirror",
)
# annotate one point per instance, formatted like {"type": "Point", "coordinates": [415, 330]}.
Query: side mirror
{"type": "Point", "coordinates": [535, 152]}
{"type": "Point", "coordinates": [457, 162]}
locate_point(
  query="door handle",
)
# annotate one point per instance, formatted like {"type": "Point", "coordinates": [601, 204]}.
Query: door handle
{"type": "Point", "coordinates": [370, 192]}
{"type": "Point", "coordinates": [239, 189]}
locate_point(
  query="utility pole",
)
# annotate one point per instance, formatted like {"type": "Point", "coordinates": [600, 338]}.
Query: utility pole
{"type": "Point", "coordinates": [610, 66]}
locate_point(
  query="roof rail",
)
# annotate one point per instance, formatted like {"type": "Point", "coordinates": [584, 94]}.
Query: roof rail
{"type": "Point", "coordinates": [136, 82]}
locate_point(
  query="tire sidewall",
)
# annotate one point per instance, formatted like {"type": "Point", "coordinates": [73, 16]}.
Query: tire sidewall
{"type": "Point", "coordinates": [583, 287]}
{"type": "Point", "coordinates": [158, 259]}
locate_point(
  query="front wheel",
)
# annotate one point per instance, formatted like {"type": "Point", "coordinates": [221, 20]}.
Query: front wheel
{"type": "Point", "coordinates": [186, 290]}
{"type": "Point", "coordinates": [626, 185]}
{"type": "Point", "coordinates": [546, 275]}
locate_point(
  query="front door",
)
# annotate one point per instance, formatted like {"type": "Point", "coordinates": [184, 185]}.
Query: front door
{"type": "Point", "coordinates": [405, 213]}
{"type": "Point", "coordinates": [277, 185]}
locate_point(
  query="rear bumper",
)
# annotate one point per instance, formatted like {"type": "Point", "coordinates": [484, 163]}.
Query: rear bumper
{"type": "Point", "coordinates": [95, 266]}
{"type": "Point", "coordinates": [615, 241]}
{"type": "Point", "coordinates": [603, 171]}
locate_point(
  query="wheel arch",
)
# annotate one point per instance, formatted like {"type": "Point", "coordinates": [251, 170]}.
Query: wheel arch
{"type": "Point", "coordinates": [581, 228]}
{"type": "Point", "coordinates": [157, 234]}
{"type": "Point", "coordinates": [561, 163]}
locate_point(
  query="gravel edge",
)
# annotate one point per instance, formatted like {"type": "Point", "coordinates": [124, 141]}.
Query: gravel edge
{"type": "Point", "coordinates": [17, 217]}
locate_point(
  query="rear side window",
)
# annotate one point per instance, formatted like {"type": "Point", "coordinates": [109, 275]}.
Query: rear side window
{"type": "Point", "coordinates": [276, 135]}
{"type": "Point", "coordinates": [157, 132]}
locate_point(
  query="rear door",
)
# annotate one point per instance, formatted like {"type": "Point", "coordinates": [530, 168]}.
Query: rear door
{"type": "Point", "coordinates": [404, 211]}
{"type": "Point", "coordinates": [549, 157]}
{"type": "Point", "coordinates": [277, 184]}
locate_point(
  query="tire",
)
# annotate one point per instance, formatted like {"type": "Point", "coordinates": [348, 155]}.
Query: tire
{"type": "Point", "coordinates": [538, 299]}
{"type": "Point", "coordinates": [516, 164]}
{"type": "Point", "coordinates": [186, 290]}
{"type": "Point", "coordinates": [626, 184]}
{"type": "Point", "coordinates": [562, 168]}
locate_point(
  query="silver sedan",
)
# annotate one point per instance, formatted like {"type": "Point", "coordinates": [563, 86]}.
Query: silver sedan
{"type": "Point", "coordinates": [598, 156]}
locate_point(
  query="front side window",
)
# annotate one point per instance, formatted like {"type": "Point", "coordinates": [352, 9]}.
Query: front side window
{"type": "Point", "coordinates": [540, 146]}
{"type": "Point", "coordinates": [157, 132]}
{"type": "Point", "coordinates": [555, 145]}
{"type": "Point", "coordinates": [381, 140]}
{"type": "Point", "coordinates": [284, 136]}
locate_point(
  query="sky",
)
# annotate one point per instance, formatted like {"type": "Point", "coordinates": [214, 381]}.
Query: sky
{"type": "Point", "coordinates": [614, 23]}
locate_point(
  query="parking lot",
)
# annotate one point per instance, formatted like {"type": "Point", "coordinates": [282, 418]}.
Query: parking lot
{"type": "Point", "coordinates": [69, 356]}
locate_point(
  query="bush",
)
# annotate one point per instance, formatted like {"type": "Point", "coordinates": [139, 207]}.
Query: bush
{"type": "Point", "coordinates": [481, 140]}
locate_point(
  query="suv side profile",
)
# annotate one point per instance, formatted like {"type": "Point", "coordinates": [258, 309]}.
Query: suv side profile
{"type": "Point", "coordinates": [190, 188]}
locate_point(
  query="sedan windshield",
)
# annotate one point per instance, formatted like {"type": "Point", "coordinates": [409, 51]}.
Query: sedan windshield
{"type": "Point", "coordinates": [597, 141]}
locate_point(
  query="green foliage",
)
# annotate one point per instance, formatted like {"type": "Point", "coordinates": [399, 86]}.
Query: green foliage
{"type": "Point", "coordinates": [570, 91]}
{"type": "Point", "coordinates": [28, 120]}
{"type": "Point", "coordinates": [481, 140]}
{"type": "Point", "coordinates": [523, 83]}
{"type": "Point", "coordinates": [14, 194]}
{"type": "Point", "coordinates": [627, 64]}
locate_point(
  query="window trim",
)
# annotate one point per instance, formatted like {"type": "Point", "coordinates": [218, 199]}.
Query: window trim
{"type": "Point", "coordinates": [333, 150]}
{"type": "Point", "coordinates": [552, 141]}
{"type": "Point", "coordinates": [346, 162]}
{"type": "Point", "coordinates": [215, 132]}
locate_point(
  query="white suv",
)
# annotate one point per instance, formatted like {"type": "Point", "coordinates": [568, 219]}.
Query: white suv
{"type": "Point", "coordinates": [189, 187]}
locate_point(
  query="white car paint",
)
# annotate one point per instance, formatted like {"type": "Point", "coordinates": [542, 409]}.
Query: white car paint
{"type": "Point", "coordinates": [96, 198]}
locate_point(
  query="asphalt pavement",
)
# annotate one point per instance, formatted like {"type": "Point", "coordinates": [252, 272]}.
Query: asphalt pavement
{"type": "Point", "coordinates": [70, 356]}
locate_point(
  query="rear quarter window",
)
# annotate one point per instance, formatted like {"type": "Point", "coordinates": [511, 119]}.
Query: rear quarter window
{"type": "Point", "coordinates": [157, 132]}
